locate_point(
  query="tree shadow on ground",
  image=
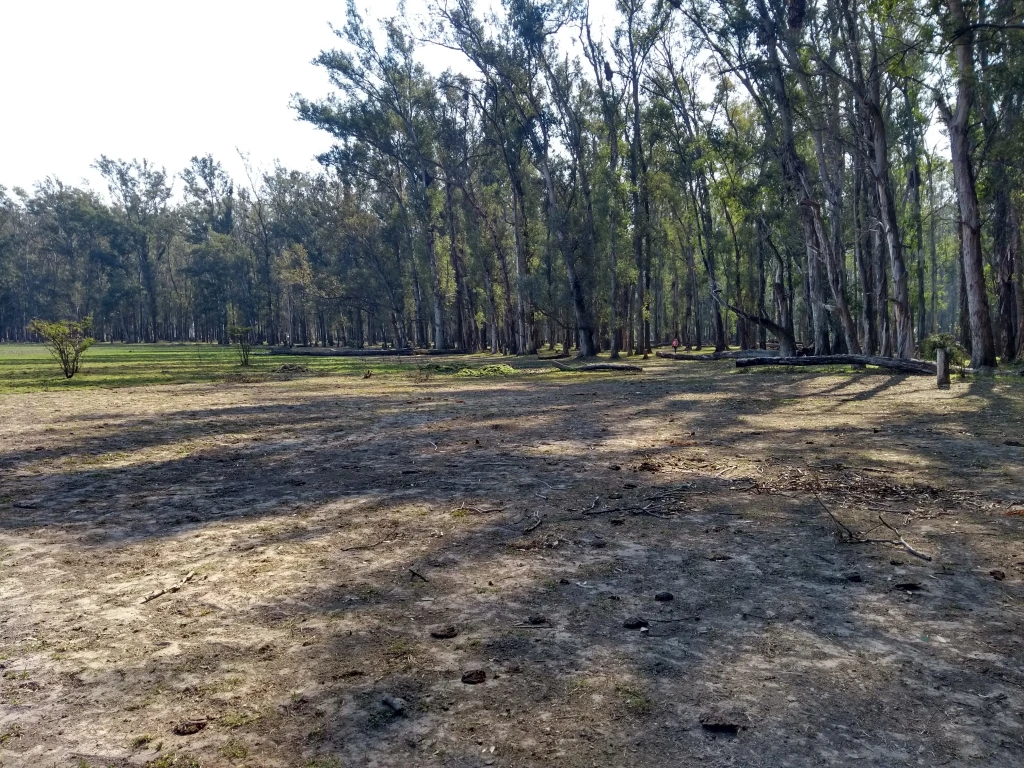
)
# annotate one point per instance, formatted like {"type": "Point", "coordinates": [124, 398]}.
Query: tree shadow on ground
{"type": "Point", "coordinates": [306, 615]}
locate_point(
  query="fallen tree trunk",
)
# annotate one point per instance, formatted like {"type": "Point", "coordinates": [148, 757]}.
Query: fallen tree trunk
{"type": "Point", "coordinates": [916, 367]}
{"type": "Point", "coordinates": [441, 352]}
{"type": "Point", "coordinates": [742, 354]}
{"type": "Point", "coordinates": [323, 352]}
{"type": "Point", "coordinates": [598, 367]}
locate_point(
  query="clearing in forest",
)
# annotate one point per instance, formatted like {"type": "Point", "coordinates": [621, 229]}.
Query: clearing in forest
{"type": "Point", "coordinates": [518, 569]}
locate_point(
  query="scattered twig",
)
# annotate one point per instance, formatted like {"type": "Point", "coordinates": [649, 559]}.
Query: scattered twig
{"type": "Point", "coordinates": [836, 520]}
{"type": "Point", "coordinates": [463, 508]}
{"type": "Point", "coordinates": [592, 507]}
{"type": "Point", "coordinates": [363, 546]}
{"type": "Point", "coordinates": [534, 525]}
{"type": "Point", "coordinates": [853, 538]}
{"type": "Point", "coordinates": [670, 621]}
{"type": "Point", "coordinates": [903, 541]}
{"type": "Point", "coordinates": [416, 574]}
{"type": "Point", "coordinates": [154, 595]}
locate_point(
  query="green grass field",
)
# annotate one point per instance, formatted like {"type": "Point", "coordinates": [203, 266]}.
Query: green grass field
{"type": "Point", "coordinates": [30, 368]}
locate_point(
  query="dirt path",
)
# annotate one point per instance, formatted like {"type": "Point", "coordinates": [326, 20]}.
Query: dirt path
{"type": "Point", "coordinates": [331, 523]}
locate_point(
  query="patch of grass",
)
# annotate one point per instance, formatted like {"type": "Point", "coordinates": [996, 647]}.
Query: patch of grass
{"type": "Point", "coordinates": [141, 741]}
{"type": "Point", "coordinates": [14, 732]}
{"type": "Point", "coordinates": [29, 367]}
{"type": "Point", "coordinates": [401, 649]}
{"type": "Point", "coordinates": [171, 760]}
{"type": "Point", "coordinates": [235, 750]}
{"type": "Point", "coordinates": [634, 699]}
{"type": "Point", "coordinates": [238, 719]}
{"type": "Point", "coordinates": [487, 370]}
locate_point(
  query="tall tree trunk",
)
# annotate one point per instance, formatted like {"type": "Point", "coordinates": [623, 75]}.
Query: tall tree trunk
{"type": "Point", "coordinates": [983, 348]}
{"type": "Point", "coordinates": [933, 250]}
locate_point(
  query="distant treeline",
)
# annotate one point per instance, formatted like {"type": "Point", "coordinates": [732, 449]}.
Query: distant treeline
{"type": "Point", "coordinates": [730, 172]}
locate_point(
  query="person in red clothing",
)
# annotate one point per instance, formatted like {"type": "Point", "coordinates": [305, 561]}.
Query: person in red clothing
{"type": "Point", "coordinates": [675, 345]}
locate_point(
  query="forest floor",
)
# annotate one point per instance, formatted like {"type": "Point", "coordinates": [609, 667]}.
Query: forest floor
{"type": "Point", "coordinates": [326, 532]}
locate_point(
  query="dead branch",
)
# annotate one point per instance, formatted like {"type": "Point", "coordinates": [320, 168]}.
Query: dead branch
{"type": "Point", "coordinates": [363, 546]}
{"type": "Point", "coordinates": [476, 510]}
{"type": "Point", "coordinates": [598, 367]}
{"type": "Point", "coordinates": [742, 354]}
{"type": "Point", "coordinates": [836, 520]}
{"type": "Point", "coordinates": [915, 367]}
{"type": "Point", "coordinates": [321, 352]}
{"type": "Point", "coordinates": [534, 525]}
{"type": "Point", "coordinates": [853, 538]}
{"type": "Point", "coordinates": [903, 541]}
{"type": "Point", "coordinates": [417, 575]}
{"type": "Point", "coordinates": [154, 595]}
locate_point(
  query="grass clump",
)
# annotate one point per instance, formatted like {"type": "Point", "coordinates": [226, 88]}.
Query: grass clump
{"type": "Point", "coordinates": [238, 719]}
{"type": "Point", "coordinates": [141, 741]}
{"type": "Point", "coordinates": [171, 760]}
{"type": "Point", "coordinates": [500, 369]}
{"type": "Point", "coordinates": [234, 750]}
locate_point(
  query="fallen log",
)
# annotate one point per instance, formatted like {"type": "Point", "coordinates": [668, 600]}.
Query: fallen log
{"type": "Point", "coordinates": [328, 352]}
{"type": "Point", "coordinates": [598, 367]}
{"type": "Point", "coordinates": [915, 367]}
{"type": "Point", "coordinates": [741, 354]}
{"type": "Point", "coordinates": [442, 352]}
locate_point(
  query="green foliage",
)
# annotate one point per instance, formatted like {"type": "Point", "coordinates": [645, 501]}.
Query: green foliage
{"type": "Point", "coordinates": [957, 354]}
{"type": "Point", "coordinates": [241, 337]}
{"type": "Point", "coordinates": [67, 340]}
{"type": "Point", "coordinates": [487, 370]}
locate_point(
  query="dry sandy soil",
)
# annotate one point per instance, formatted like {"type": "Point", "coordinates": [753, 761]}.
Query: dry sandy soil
{"type": "Point", "coordinates": [330, 523]}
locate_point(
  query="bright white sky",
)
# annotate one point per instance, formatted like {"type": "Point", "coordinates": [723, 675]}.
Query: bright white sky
{"type": "Point", "coordinates": [164, 81]}
{"type": "Point", "coordinates": [160, 80]}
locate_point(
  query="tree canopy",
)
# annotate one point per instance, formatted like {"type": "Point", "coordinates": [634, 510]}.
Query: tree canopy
{"type": "Point", "coordinates": [834, 174]}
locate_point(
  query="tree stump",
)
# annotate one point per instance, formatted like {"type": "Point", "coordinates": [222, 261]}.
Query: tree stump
{"type": "Point", "coordinates": [942, 368]}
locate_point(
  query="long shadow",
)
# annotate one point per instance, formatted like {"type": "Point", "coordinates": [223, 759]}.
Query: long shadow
{"type": "Point", "coordinates": [766, 618]}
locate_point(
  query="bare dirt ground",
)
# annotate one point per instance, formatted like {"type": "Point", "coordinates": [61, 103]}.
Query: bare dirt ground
{"type": "Point", "coordinates": [330, 524]}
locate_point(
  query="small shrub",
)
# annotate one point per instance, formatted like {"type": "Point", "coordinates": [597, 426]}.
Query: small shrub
{"type": "Point", "coordinates": [67, 340]}
{"type": "Point", "coordinates": [241, 337]}
{"type": "Point", "coordinates": [957, 354]}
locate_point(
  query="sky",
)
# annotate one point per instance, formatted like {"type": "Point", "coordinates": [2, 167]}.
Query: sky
{"type": "Point", "coordinates": [159, 80]}
{"type": "Point", "coordinates": [166, 81]}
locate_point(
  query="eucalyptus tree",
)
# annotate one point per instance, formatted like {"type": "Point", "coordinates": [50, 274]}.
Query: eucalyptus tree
{"type": "Point", "coordinates": [611, 96]}
{"type": "Point", "coordinates": [642, 25]}
{"type": "Point", "coordinates": [141, 193]}
{"type": "Point", "coordinates": [959, 30]}
{"type": "Point", "coordinates": [386, 105]}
